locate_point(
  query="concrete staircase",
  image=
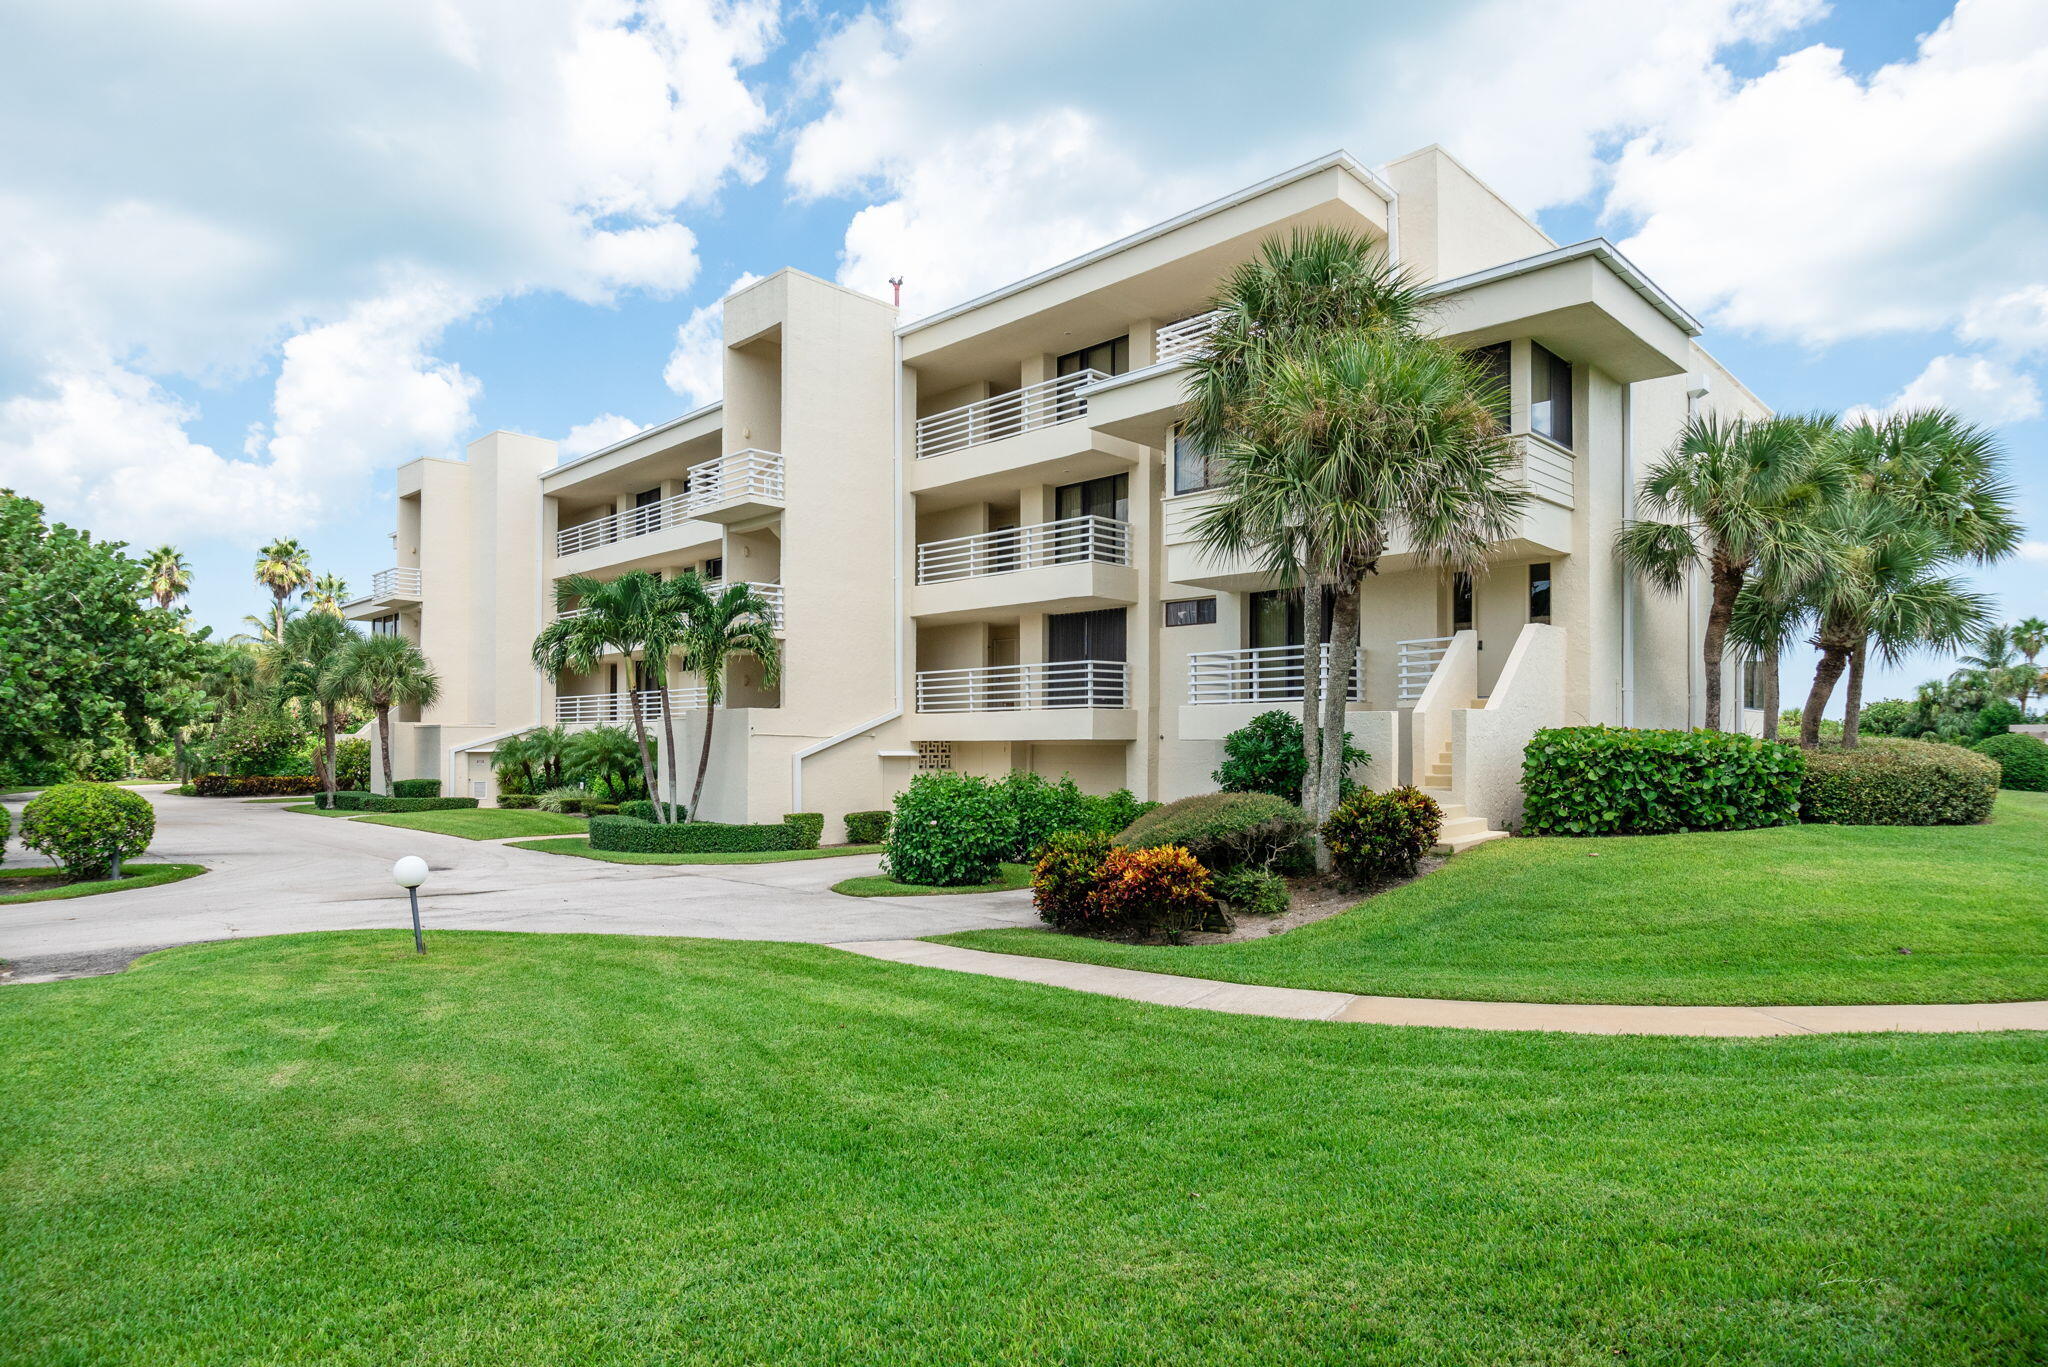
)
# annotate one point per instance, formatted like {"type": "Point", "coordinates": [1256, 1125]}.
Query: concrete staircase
{"type": "Point", "coordinates": [1460, 832]}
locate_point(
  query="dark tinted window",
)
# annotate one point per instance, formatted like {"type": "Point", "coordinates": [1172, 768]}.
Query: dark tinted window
{"type": "Point", "coordinates": [1111, 358]}
{"type": "Point", "coordinates": [1550, 396]}
{"type": "Point", "coordinates": [1494, 361]}
{"type": "Point", "coordinates": [1193, 469]}
{"type": "Point", "coordinates": [1461, 601]}
{"type": "Point", "coordinates": [1191, 612]}
{"type": "Point", "coordinates": [1539, 592]}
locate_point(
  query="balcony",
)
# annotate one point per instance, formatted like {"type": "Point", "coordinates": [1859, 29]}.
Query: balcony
{"type": "Point", "coordinates": [1074, 565]}
{"type": "Point", "coordinates": [771, 592]}
{"type": "Point", "coordinates": [1038, 434]}
{"type": "Point", "coordinates": [732, 488]}
{"type": "Point", "coordinates": [1262, 674]}
{"type": "Point", "coordinates": [1021, 410]}
{"type": "Point", "coordinates": [1177, 342]}
{"type": "Point", "coordinates": [1014, 549]}
{"type": "Point", "coordinates": [1416, 665]}
{"type": "Point", "coordinates": [1052, 700]}
{"type": "Point", "coordinates": [616, 709]}
{"type": "Point", "coordinates": [389, 590]}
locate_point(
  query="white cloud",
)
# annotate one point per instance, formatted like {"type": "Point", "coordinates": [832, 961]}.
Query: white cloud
{"type": "Point", "coordinates": [1978, 387]}
{"type": "Point", "coordinates": [600, 432]}
{"type": "Point", "coordinates": [696, 367]}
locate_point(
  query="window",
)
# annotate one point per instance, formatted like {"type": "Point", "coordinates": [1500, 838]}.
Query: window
{"type": "Point", "coordinates": [1191, 612]}
{"type": "Point", "coordinates": [1753, 684]}
{"type": "Point", "coordinates": [1277, 618]}
{"type": "Point", "coordinates": [384, 626]}
{"type": "Point", "coordinates": [1461, 601]}
{"type": "Point", "coordinates": [647, 498]}
{"type": "Point", "coordinates": [1494, 361]}
{"type": "Point", "coordinates": [714, 569]}
{"type": "Point", "coordinates": [1550, 396]}
{"type": "Point", "coordinates": [1194, 469]}
{"type": "Point", "coordinates": [1539, 592]}
{"type": "Point", "coordinates": [1109, 496]}
{"type": "Point", "coordinates": [1111, 358]}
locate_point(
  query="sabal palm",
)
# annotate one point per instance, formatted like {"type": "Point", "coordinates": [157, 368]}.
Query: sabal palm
{"type": "Point", "coordinates": [735, 623]}
{"type": "Point", "coordinates": [2030, 638]}
{"type": "Point", "coordinates": [282, 567]}
{"type": "Point", "coordinates": [166, 575]}
{"type": "Point", "coordinates": [328, 593]}
{"type": "Point", "coordinates": [1733, 496]}
{"type": "Point", "coordinates": [300, 666]}
{"type": "Point", "coordinates": [611, 616]}
{"type": "Point", "coordinates": [1766, 622]}
{"type": "Point", "coordinates": [381, 672]}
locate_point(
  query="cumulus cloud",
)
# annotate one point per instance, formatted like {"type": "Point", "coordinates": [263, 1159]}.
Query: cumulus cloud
{"type": "Point", "coordinates": [696, 367]}
{"type": "Point", "coordinates": [600, 432]}
{"type": "Point", "coordinates": [1978, 387]}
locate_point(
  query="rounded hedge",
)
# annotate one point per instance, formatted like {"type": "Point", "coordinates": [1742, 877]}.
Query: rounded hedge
{"type": "Point", "coordinates": [1221, 830]}
{"type": "Point", "coordinates": [1376, 836]}
{"type": "Point", "coordinates": [2024, 760]}
{"type": "Point", "coordinates": [867, 828]}
{"type": "Point", "coordinates": [1890, 782]}
{"type": "Point", "coordinates": [1610, 780]}
{"type": "Point", "coordinates": [631, 835]}
{"type": "Point", "coordinates": [87, 826]}
{"type": "Point", "coordinates": [950, 830]}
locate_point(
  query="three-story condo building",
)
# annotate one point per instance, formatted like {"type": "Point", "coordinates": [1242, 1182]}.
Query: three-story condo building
{"type": "Point", "coordinates": [976, 529]}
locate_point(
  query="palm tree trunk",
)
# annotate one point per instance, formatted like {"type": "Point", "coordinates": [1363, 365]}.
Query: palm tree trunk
{"type": "Point", "coordinates": [1343, 645]}
{"type": "Point", "coordinates": [1311, 693]}
{"type": "Point", "coordinates": [1833, 660]}
{"type": "Point", "coordinates": [663, 806]}
{"type": "Point", "coordinates": [1852, 702]}
{"type": "Point", "coordinates": [384, 741]}
{"type": "Point", "coordinates": [1714, 645]}
{"type": "Point", "coordinates": [640, 734]}
{"type": "Point", "coordinates": [703, 758]}
{"type": "Point", "coordinates": [1772, 707]}
{"type": "Point", "coordinates": [327, 752]}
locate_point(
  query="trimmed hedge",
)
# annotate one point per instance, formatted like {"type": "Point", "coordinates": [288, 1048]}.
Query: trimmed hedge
{"type": "Point", "coordinates": [867, 828]}
{"type": "Point", "coordinates": [1890, 782]}
{"type": "Point", "coordinates": [1222, 830]}
{"type": "Point", "coordinates": [254, 785]}
{"type": "Point", "coordinates": [6, 829]}
{"type": "Point", "coordinates": [808, 826]}
{"type": "Point", "coordinates": [1377, 836]}
{"type": "Point", "coordinates": [518, 802]}
{"type": "Point", "coordinates": [644, 809]}
{"type": "Point", "coordinates": [2023, 758]}
{"type": "Point", "coordinates": [951, 830]}
{"type": "Point", "coordinates": [631, 835]}
{"type": "Point", "coordinates": [88, 827]}
{"type": "Point", "coordinates": [1607, 780]}
{"type": "Point", "coordinates": [374, 803]}
{"type": "Point", "coordinates": [416, 787]}
{"type": "Point", "coordinates": [344, 800]}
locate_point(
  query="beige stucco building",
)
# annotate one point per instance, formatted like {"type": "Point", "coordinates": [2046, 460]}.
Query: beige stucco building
{"type": "Point", "coordinates": [977, 528]}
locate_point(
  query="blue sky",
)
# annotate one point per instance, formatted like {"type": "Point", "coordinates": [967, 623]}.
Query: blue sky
{"type": "Point", "coordinates": [261, 257]}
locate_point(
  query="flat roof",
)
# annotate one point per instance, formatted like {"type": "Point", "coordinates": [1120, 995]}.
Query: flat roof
{"type": "Point", "coordinates": [1601, 250]}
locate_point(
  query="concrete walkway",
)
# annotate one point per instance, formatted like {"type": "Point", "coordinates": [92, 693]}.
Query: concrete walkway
{"type": "Point", "coordinates": [1294, 1003]}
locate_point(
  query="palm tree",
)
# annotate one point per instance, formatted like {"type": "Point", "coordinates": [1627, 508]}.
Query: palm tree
{"type": "Point", "coordinates": [2030, 638]}
{"type": "Point", "coordinates": [1298, 293]}
{"type": "Point", "coordinates": [282, 568]}
{"type": "Point", "coordinates": [1766, 622]}
{"type": "Point", "coordinates": [266, 631]}
{"type": "Point", "coordinates": [1732, 496]}
{"type": "Point", "coordinates": [167, 575]}
{"type": "Point", "coordinates": [310, 645]}
{"type": "Point", "coordinates": [717, 629]}
{"type": "Point", "coordinates": [612, 615]}
{"type": "Point", "coordinates": [605, 754]}
{"type": "Point", "coordinates": [328, 593]}
{"type": "Point", "coordinates": [381, 672]}
{"type": "Point", "coordinates": [548, 746]}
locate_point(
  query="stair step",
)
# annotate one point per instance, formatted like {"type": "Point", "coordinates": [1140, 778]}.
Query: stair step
{"type": "Point", "coordinates": [1460, 843]}
{"type": "Point", "coordinates": [1461, 825]}
{"type": "Point", "coordinates": [1453, 811]}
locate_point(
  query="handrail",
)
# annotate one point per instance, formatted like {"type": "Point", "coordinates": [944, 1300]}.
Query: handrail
{"type": "Point", "coordinates": [1415, 663]}
{"type": "Point", "coordinates": [578, 709]}
{"type": "Point", "coordinates": [1004, 415]}
{"type": "Point", "coordinates": [771, 592]}
{"type": "Point", "coordinates": [742, 474]}
{"type": "Point", "coordinates": [1101, 539]}
{"type": "Point", "coordinates": [401, 582]}
{"type": "Point", "coordinates": [1178, 341]}
{"type": "Point", "coordinates": [998, 688]}
{"type": "Point", "coordinates": [1259, 674]}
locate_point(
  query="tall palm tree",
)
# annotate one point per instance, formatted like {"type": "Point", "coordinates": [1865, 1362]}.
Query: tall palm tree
{"type": "Point", "coordinates": [717, 629]}
{"type": "Point", "coordinates": [328, 593]}
{"type": "Point", "coordinates": [1732, 496]}
{"type": "Point", "coordinates": [381, 672]}
{"type": "Point", "coordinates": [300, 667]}
{"type": "Point", "coordinates": [1296, 294]}
{"type": "Point", "coordinates": [548, 745]}
{"type": "Point", "coordinates": [167, 575]}
{"type": "Point", "coordinates": [616, 615]}
{"type": "Point", "coordinates": [1766, 621]}
{"type": "Point", "coordinates": [2030, 638]}
{"type": "Point", "coordinates": [282, 568]}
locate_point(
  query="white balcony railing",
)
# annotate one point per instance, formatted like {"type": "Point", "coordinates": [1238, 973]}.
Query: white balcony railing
{"type": "Point", "coordinates": [1415, 662]}
{"type": "Point", "coordinates": [743, 474]}
{"type": "Point", "coordinates": [1101, 539]}
{"type": "Point", "coordinates": [999, 688]}
{"type": "Point", "coordinates": [613, 709]}
{"type": "Point", "coordinates": [1547, 469]}
{"type": "Point", "coordinates": [403, 582]}
{"type": "Point", "coordinates": [1179, 341]}
{"type": "Point", "coordinates": [1005, 415]}
{"type": "Point", "coordinates": [1260, 674]}
{"type": "Point", "coordinates": [771, 592]}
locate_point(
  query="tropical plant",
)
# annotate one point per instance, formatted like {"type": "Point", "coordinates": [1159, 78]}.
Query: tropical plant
{"type": "Point", "coordinates": [949, 830]}
{"type": "Point", "coordinates": [89, 828]}
{"type": "Point", "coordinates": [610, 616]}
{"type": "Point", "coordinates": [717, 629]}
{"type": "Point", "coordinates": [167, 575]}
{"type": "Point", "coordinates": [1063, 878]}
{"type": "Point", "coordinates": [283, 569]}
{"type": "Point", "coordinates": [1377, 836]}
{"type": "Point", "coordinates": [300, 668]}
{"type": "Point", "coordinates": [1266, 755]}
{"type": "Point", "coordinates": [327, 594]}
{"type": "Point", "coordinates": [2024, 760]}
{"type": "Point", "coordinates": [1334, 427]}
{"type": "Point", "coordinates": [381, 672]}
{"type": "Point", "coordinates": [1162, 890]}
{"type": "Point", "coordinates": [606, 760]}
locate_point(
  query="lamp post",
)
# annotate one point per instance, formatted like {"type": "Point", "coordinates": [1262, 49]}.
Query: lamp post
{"type": "Point", "coordinates": [409, 873]}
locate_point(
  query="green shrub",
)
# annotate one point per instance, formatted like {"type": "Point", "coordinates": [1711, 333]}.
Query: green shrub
{"type": "Point", "coordinates": [88, 827]}
{"type": "Point", "coordinates": [807, 827]}
{"type": "Point", "coordinates": [600, 809]}
{"type": "Point", "coordinates": [1265, 755]}
{"type": "Point", "coordinates": [259, 740]}
{"type": "Point", "coordinates": [1063, 880]}
{"type": "Point", "coordinates": [1222, 830]}
{"type": "Point", "coordinates": [255, 785]}
{"type": "Point", "coordinates": [949, 830]}
{"type": "Point", "coordinates": [1891, 717]}
{"type": "Point", "coordinates": [867, 828]}
{"type": "Point", "coordinates": [6, 829]}
{"type": "Point", "coordinates": [352, 764]}
{"type": "Point", "coordinates": [514, 802]}
{"type": "Point", "coordinates": [1377, 836]}
{"type": "Point", "coordinates": [344, 801]}
{"type": "Point", "coordinates": [1250, 892]}
{"type": "Point", "coordinates": [1995, 718]}
{"type": "Point", "coordinates": [374, 803]}
{"type": "Point", "coordinates": [2023, 758]}
{"type": "Point", "coordinates": [1887, 782]}
{"type": "Point", "coordinates": [416, 787]}
{"type": "Point", "coordinates": [645, 809]}
{"type": "Point", "coordinates": [1042, 807]}
{"type": "Point", "coordinates": [631, 835]}
{"type": "Point", "coordinates": [563, 800]}
{"type": "Point", "coordinates": [1111, 813]}
{"type": "Point", "coordinates": [1606, 780]}
{"type": "Point", "coordinates": [1159, 891]}
{"type": "Point", "coordinates": [185, 790]}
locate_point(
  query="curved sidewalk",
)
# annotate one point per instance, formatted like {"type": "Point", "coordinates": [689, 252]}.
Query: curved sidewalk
{"type": "Point", "coordinates": [1295, 1003]}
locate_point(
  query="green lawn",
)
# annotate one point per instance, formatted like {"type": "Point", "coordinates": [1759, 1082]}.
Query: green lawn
{"type": "Point", "coordinates": [1798, 914]}
{"type": "Point", "coordinates": [133, 876]}
{"type": "Point", "coordinates": [581, 850]}
{"type": "Point", "coordinates": [880, 885]}
{"type": "Point", "coordinates": [310, 809]}
{"type": "Point", "coordinates": [616, 1150]}
{"type": "Point", "coordinates": [123, 783]}
{"type": "Point", "coordinates": [479, 823]}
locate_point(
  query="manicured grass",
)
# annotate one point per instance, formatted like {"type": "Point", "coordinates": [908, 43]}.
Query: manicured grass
{"type": "Point", "coordinates": [1793, 915]}
{"type": "Point", "coordinates": [133, 876]}
{"type": "Point", "coordinates": [479, 823]}
{"type": "Point", "coordinates": [879, 885]}
{"type": "Point", "coordinates": [581, 850]}
{"type": "Point", "coordinates": [620, 1150]}
{"type": "Point", "coordinates": [310, 809]}
{"type": "Point", "coordinates": [122, 783]}
{"type": "Point", "coordinates": [262, 801]}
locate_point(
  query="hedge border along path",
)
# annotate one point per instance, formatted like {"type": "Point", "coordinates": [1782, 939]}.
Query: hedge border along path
{"type": "Point", "coordinates": [1297, 1003]}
